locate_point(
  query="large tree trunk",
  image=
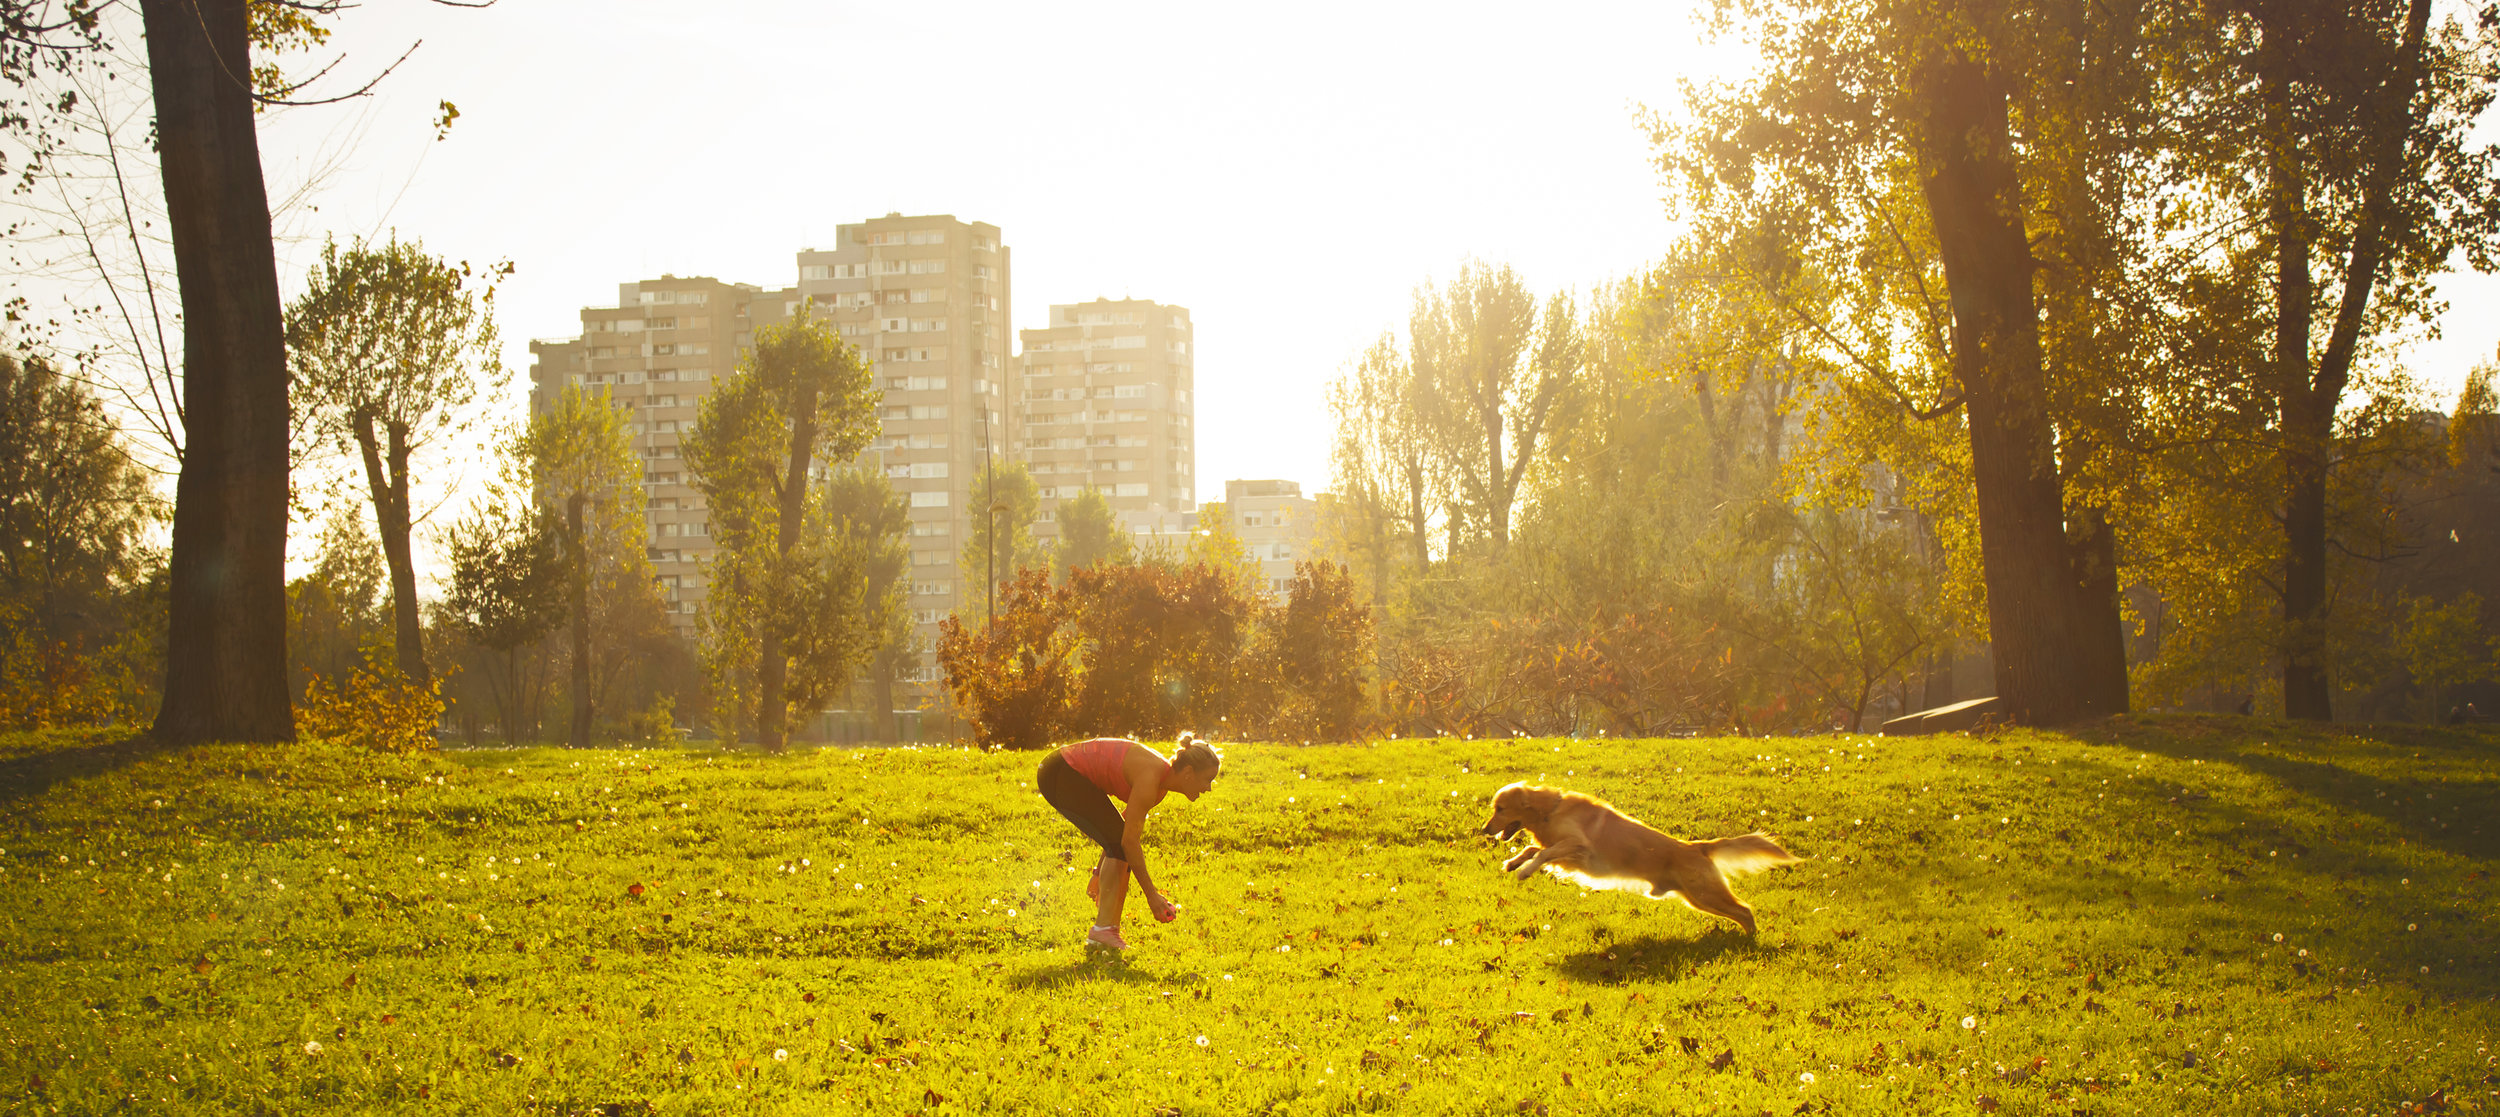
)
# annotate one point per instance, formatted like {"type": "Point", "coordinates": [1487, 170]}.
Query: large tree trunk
{"type": "Point", "coordinates": [579, 736]}
{"type": "Point", "coordinates": [225, 661]}
{"type": "Point", "coordinates": [772, 664]}
{"type": "Point", "coordinates": [2309, 400]}
{"type": "Point", "coordinates": [386, 476]}
{"type": "Point", "coordinates": [2041, 627]}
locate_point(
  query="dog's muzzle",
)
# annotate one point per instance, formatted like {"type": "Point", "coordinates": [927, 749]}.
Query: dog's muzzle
{"type": "Point", "coordinates": [1504, 834]}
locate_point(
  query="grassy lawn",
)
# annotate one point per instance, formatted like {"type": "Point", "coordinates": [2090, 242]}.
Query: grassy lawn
{"type": "Point", "coordinates": [2158, 916]}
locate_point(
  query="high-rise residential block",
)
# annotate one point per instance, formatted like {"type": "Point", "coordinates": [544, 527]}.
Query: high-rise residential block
{"type": "Point", "coordinates": [657, 351]}
{"type": "Point", "coordinates": [1276, 523]}
{"type": "Point", "coordinates": [1103, 401]}
{"type": "Point", "coordinates": [926, 301]}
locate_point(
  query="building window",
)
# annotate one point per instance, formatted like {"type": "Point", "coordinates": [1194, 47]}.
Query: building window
{"type": "Point", "coordinates": [928, 267]}
{"type": "Point", "coordinates": [935, 499]}
{"type": "Point", "coordinates": [925, 529]}
{"type": "Point", "coordinates": [816, 271]}
{"type": "Point", "coordinates": [926, 470]}
{"type": "Point", "coordinates": [932, 589]}
{"type": "Point", "coordinates": [930, 558]}
{"type": "Point", "coordinates": [1130, 489]}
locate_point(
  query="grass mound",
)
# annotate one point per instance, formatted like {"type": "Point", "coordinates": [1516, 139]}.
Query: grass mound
{"type": "Point", "coordinates": [2156, 916]}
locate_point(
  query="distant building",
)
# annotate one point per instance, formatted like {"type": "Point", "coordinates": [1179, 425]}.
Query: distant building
{"type": "Point", "coordinates": [657, 351]}
{"type": "Point", "coordinates": [1103, 400]}
{"type": "Point", "coordinates": [1278, 525]}
{"type": "Point", "coordinates": [926, 300]}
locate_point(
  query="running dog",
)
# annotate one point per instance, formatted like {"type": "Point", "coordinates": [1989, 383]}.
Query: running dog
{"type": "Point", "coordinates": [1584, 839]}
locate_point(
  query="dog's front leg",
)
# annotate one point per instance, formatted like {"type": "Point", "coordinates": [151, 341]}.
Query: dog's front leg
{"type": "Point", "coordinates": [1516, 858]}
{"type": "Point", "coordinates": [1542, 856]}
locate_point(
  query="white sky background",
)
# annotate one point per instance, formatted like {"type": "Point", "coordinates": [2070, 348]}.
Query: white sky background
{"type": "Point", "coordinates": [1289, 172]}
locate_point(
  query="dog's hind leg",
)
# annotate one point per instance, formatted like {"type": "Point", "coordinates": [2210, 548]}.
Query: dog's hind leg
{"type": "Point", "coordinates": [1705, 892]}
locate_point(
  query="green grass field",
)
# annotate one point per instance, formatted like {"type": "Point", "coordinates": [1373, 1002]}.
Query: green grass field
{"type": "Point", "coordinates": [2164, 916]}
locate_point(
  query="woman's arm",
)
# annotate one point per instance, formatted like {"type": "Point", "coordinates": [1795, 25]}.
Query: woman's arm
{"type": "Point", "coordinates": [1143, 795]}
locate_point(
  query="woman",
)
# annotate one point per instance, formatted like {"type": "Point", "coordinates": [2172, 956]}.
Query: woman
{"type": "Point", "coordinates": [1082, 779]}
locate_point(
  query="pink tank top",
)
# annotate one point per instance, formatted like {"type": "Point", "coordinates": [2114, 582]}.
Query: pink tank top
{"type": "Point", "coordinates": [1104, 761]}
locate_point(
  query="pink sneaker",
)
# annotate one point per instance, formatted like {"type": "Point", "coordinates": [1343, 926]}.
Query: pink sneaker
{"type": "Point", "coordinates": [1106, 937]}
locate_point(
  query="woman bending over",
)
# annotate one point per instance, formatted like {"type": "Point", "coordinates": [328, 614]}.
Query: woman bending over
{"type": "Point", "coordinates": [1082, 779]}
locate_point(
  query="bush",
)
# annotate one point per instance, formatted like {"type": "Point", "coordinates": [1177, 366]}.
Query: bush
{"type": "Point", "coordinates": [656, 724]}
{"type": "Point", "coordinates": [1162, 645]}
{"type": "Point", "coordinates": [373, 709]}
{"type": "Point", "coordinates": [1015, 678]}
{"type": "Point", "coordinates": [1153, 648]}
{"type": "Point", "coordinates": [1312, 656]}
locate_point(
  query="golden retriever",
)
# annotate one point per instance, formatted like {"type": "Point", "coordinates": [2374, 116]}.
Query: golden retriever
{"type": "Point", "coordinates": [1583, 838]}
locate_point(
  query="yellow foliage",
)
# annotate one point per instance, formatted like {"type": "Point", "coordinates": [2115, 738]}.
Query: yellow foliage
{"type": "Point", "coordinates": [373, 709]}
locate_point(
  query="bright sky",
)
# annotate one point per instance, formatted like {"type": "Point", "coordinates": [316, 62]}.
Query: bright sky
{"type": "Point", "coordinates": [1288, 171]}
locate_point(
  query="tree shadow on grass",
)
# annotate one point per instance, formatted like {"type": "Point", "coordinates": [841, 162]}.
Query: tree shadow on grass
{"type": "Point", "coordinates": [1651, 958]}
{"type": "Point", "coordinates": [35, 763]}
{"type": "Point", "coordinates": [1096, 967]}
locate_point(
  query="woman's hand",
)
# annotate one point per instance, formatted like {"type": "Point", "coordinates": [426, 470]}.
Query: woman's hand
{"type": "Point", "coordinates": [1164, 910]}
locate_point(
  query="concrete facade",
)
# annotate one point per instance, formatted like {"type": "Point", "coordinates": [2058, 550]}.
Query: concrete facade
{"type": "Point", "coordinates": [1103, 399]}
{"type": "Point", "coordinates": [1277, 523]}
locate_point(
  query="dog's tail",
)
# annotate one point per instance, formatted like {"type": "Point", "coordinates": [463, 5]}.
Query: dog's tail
{"type": "Point", "coordinates": [1747, 853]}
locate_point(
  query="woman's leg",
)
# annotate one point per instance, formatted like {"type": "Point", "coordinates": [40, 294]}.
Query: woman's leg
{"type": "Point", "coordinates": [1114, 892]}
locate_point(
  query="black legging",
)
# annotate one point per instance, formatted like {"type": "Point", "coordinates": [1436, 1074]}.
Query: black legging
{"type": "Point", "coordinates": [1077, 798]}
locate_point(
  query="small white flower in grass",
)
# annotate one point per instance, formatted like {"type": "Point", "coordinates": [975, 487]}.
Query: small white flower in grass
{"type": "Point", "coordinates": [1228, 977]}
{"type": "Point", "coordinates": [781, 1055]}
{"type": "Point", "coordinates": [312, 1047]}
{"type": "Point", "coordinates": [1393, 1018]}
{"type": "Point", "coordinates": [1011, 913]}
{"type": "Point", "coordinates": [859, 888]}
{"type": "Point", "coordinates": [1806, 1077]}
{"type": "Point", "coordinates": [1285, 949]}
{"type": "Point", "coordinates": [1202, 1041]}
{"type": "Point", "coordinates": [2278, 936]}
{"type": "Point", "coordinates": [2413, 926]}
{"type": "Point", "coordinates": [1970, 1022]}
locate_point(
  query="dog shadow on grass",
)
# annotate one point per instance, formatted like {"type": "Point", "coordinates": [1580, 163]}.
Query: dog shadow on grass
{"type": "Point", "coordinates": [1098, 968]}
{"type": "Point", "coordinates": [1654, 958]}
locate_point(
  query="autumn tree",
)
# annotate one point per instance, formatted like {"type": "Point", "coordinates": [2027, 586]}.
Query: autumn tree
{"type": "Point", "coordinates": [509, 584]}
{"type": "Point", "coordinates": [803, 395]}
{"type": "Point", "coordinates": [583, 470]}
{"type": "Point", "coordinates": [2356, 120]}
{"type": "Point", "coordinates": [75, 512]}
{"type": "Point", "coordinates": [390, 348]}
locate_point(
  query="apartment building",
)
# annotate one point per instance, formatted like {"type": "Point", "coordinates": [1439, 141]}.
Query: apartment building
{"type": "Point", "coordinates": [1102, 400]}
{"type": "Point", "coordinates": [657, 351]}
{"type": "Point", "coordinates": [1276, 523]}
{"type": "Point", "coordinates": [925, 299]}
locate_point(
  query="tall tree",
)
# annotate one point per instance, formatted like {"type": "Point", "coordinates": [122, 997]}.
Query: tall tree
{"type": "Point", "coordinates": [225, 671]}
{"type": "Point", "coordinates": [2363, 112]}
{"type": "Point", "coordinates": [1383, 465]}
{"type": "Point", "coordinates": [803, 395]}
{"type": "Point", "coordinates": [1089, 532]}
{"type": "Point", "coordinates": [508, 589]}
{"type": "Point", "coordinates": [389, 348]}
{"type": "Point", "coordinates": [1004, 502]}
{"type": "Point", "coordinates": [1859, 110]}
{"type": "Point", "coordinates": [1487, 378]}
{"type": "Point", "coordinates": [872, 521]}
{"type": "Point", "coordinates": [584, 471]}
